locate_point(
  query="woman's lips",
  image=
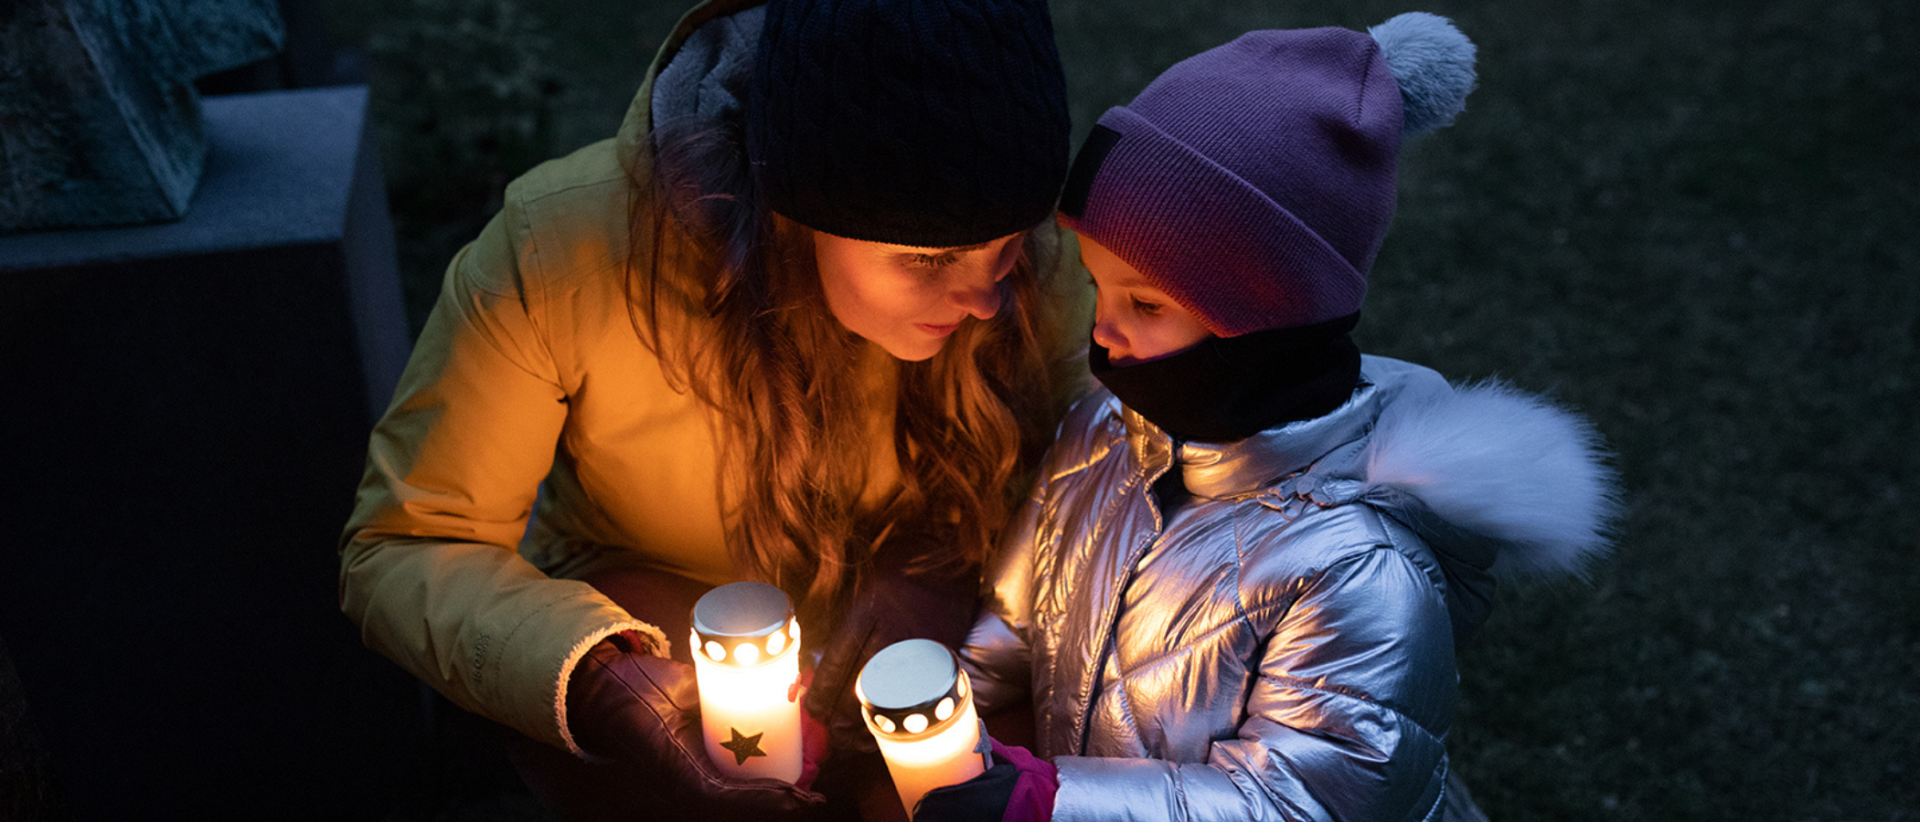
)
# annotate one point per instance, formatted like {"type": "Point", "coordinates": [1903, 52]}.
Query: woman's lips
{"type": "Point", "coordinates": [938, 330]}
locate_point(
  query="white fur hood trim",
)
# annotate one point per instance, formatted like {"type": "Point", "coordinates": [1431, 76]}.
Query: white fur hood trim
{"type": "Point", "coordinates": [1501, 463]}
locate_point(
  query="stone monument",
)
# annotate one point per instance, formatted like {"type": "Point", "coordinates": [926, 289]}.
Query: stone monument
{"type": "Point", "coordinates": [99, 121]}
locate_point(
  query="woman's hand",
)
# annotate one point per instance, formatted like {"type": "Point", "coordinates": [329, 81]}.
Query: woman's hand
{"type": "Point", "coordinates": [1018, 788]}
{"type": "Point", "coordinates": [627, 705]}
{"type": "Point", "coordinates": [894, 600]}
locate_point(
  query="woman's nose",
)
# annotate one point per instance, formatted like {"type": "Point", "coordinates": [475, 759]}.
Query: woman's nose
{"type": "Point", "coordinates": [978, 296]}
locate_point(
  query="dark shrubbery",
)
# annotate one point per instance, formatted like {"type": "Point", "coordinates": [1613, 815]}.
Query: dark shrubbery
{"type": "Point", "coordinates": [466, 92]}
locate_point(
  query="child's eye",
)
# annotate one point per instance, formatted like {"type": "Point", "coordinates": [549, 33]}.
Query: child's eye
{"type": "Point", "coordinates": [1145, 307]}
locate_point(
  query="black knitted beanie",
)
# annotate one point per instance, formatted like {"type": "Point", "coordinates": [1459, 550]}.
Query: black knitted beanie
{"type": "Point", "coordinates": [917, 122]}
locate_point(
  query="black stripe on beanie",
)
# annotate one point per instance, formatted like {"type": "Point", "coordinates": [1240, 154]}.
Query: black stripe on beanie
{"type": "Point", "coordinates": [1073, 201]}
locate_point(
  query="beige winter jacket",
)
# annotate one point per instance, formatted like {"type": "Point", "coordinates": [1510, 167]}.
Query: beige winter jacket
{"type": "Point", "coordinates": [530, 369]}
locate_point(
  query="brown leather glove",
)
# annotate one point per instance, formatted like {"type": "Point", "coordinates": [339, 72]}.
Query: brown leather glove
{"type": "Point", "coordinates": [893, 600]}
{"type": "Point", "coordinates": [627, 705]}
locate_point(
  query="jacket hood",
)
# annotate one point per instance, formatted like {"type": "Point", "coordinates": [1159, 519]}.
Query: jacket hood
{"type": "Point", "coordinates": [1492, 477]}
{"type": "Point", "coordinates": [714, 68]}
{"type": "Point", "coordinates": [1499, 463]}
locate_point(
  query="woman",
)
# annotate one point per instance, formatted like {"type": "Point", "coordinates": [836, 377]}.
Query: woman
{"type": "Point", "coordinates": [801, 321]}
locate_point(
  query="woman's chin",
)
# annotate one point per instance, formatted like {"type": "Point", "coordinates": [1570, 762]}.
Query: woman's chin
{"type": "Point", "coordinates": [912, 350]}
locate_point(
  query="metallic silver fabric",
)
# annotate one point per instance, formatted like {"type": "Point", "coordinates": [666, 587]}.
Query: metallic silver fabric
{"type": "Point", "coordinates": [1273, 643]}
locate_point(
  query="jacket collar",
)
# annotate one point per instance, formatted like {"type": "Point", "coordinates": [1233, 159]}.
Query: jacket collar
{"type": "Point", "coordinates": [1224, 469]}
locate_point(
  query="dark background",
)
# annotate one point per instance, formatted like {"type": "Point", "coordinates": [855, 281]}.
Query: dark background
{"type": "Point", "coordinates": [1693, 221]}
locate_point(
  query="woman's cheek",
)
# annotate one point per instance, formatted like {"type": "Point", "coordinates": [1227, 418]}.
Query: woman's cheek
{"type": "Point", "coordinates": [915, 293]}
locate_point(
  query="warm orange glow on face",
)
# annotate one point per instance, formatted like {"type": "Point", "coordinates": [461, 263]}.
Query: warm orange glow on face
{"type": "Point", "coordinates": [908, 299]}
{"type": "Point", "coordinates": [1134, 320]}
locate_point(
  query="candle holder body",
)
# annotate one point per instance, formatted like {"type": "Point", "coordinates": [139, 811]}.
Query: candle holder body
{"type": "Point", "coordinates": [746, 709]}
{"type": "Point", "coordinates": [943, 756]}
{"type": "Point", "coordinates": [746, 659]}
{"type": "Point", "coordinates": [919, 707]}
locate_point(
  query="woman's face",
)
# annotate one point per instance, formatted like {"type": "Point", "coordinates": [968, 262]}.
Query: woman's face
{"type": "Point", "coordinates": [1133, 320]}
{"type": "Point", "coordinates": [909, 299]}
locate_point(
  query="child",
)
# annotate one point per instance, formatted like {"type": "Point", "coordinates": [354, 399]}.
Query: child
{"type": "Point", "coordinates": [1237, 589]}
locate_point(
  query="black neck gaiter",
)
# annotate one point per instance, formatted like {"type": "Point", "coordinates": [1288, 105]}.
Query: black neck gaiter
{"type": "Point", "coordinates": [1230, 388]}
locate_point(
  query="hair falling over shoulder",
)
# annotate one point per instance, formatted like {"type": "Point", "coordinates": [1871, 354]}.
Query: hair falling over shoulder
{"type": "Point", "coordinates": [728, 295]}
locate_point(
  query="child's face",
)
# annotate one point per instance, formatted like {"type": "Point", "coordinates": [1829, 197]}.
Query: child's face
{"type": "Point", "coordinates": [1133, 320]}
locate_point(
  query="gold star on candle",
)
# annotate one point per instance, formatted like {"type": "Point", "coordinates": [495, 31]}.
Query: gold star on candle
{"type": "Point", "coordinates": [743, 746]}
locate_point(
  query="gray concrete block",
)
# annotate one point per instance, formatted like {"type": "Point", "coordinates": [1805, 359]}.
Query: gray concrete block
{"type": "Point", "coordinates": [188, 408]}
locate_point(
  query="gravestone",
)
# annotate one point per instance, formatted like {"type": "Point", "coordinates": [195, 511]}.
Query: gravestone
{"type": "Point", "coordinates": [99, 121]}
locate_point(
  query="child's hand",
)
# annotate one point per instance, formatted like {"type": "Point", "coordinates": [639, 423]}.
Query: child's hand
{"type": "Point", "coordinates": [1018, 788]}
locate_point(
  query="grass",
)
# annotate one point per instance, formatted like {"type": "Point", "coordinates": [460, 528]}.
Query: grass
{"type": "Point", "coordinates": [1692, 221]}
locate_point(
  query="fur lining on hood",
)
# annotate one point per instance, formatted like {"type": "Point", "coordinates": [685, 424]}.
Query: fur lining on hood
{"type": "Point", "coordinates": [1502, 464]}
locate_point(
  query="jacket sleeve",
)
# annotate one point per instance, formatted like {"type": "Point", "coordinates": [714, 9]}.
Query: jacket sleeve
{"type": "Point", "coordinates": [1346, 721]}
{"type": "Point", "coordinates": [429, 568]}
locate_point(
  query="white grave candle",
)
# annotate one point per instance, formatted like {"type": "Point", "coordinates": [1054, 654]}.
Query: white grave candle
{"type": "Point", "coordinates": [919, 706]}
{"type": "Point", "coordinates": [746, 656]}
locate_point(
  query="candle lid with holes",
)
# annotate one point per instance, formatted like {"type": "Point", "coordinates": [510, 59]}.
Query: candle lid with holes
{"type": "Point", "coordinates": [744, 623]}
{"type": "Point", "coordinates": [912, 689]}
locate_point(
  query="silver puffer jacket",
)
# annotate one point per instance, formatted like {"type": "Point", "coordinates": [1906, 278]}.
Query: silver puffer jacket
{"type": "Point", "coordinates": [1276, 641]}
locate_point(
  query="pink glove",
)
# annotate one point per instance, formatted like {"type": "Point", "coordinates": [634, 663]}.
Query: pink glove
{"type": "Point", "coordinates": [1032, 799]}
{"type": "Point", "coordinates": [813, 736]}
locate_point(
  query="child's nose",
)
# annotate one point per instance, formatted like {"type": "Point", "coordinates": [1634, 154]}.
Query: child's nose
{"type": "Point", "coordinates": [1109, 337]}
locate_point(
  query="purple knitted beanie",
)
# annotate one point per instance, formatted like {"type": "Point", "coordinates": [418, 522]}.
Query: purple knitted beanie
{"type": "Point", "coordinates": [1254, 182]}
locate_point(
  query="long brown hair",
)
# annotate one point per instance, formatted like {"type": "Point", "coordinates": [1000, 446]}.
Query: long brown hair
{"type": "Point", "coordinates": [752, 336]}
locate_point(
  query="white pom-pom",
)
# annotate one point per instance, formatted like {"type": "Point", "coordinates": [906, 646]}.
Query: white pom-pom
{"type": "Point", "coordinates": [1433, 63]}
